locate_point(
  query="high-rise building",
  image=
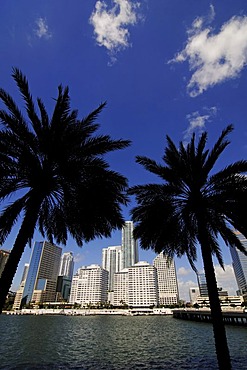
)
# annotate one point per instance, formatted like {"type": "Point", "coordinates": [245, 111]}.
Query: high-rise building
{"type": "Point", "coordinates": [89, 286]}
{"type": "Point", "coordinates": [4, 255]}
{"type": "Point", "coordinates": [67, 265]}
{"type": "Point", "coordinates": [65, 276]}
{"type": "Point", "coordinates": [167, 280]}
{"type": "Point", "coordinates": [143, 285]}
{"type": "Point", "coordinates": [202, 284]}
{"type": "Point", "coordinates": [19, 294]}
{"type": "Point", "coordinates": [111, 261]}
{"type": "Point", "coordinates": [239, 263]}
{"type": "Point", "coordinates": [25, 271]}
{"type": "Point", "coordinates": [42, 274]}
{"type": "Point", "coordinates": [63, 288]}
{"type": "Point", "coordinates": [129, 246]}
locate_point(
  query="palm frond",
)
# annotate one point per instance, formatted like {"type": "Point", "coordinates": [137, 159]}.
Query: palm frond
{"type": "Point", "coordinates": [9, 217]}
{"type": "Point", "coordinates": [217, 149]}
{"type": "Point", "coordinates": [23, 86]}
{"type": "Point", "coordinates": [88, 122]}
{"type": "Point", "coordinates": [44, 115]}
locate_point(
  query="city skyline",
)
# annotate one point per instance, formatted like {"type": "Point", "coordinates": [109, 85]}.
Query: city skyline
{"type": "Point", "coordinates": [171, 276]}
{"type": "Point", "coordinates": [186, 277]}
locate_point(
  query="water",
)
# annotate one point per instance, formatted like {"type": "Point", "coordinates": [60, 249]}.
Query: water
{"type": "Point", "coordinates": [113, 343]}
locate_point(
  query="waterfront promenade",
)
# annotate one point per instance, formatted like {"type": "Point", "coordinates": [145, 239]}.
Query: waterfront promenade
{"type": "Point", "coordinates": [92, 311]}
{"type": "Point", "coordinates": [231, 317]}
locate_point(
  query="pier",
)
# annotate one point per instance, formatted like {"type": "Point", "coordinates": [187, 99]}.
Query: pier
{"type": "Point", "coordinates": [229, 317]}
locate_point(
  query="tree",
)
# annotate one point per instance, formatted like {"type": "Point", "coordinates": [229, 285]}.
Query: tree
{"type": "Point", "coordinates": [53, 172]}
{"type": "Point", "coordinates": [192, 205]}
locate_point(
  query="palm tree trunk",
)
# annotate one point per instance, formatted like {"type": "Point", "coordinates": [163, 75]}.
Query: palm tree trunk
{"type": "Point", "coordinates": [24, 235]}
{"type": "Point", "coordinates": [222, 351]}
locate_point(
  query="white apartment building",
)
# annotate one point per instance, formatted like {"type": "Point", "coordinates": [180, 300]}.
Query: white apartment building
{"type": "Point", "coordinates": [121, 291]}
{"type": "Point", "coordinates": [194, 293]}
{"type": "Point", "coordinates": [142, 285]}
{"type": "Point", "coordinates": [167, 280]}
{"type": "Point", "coordinates": [111, 261]}
{"type": "Point", "coordinates": [89, 286]}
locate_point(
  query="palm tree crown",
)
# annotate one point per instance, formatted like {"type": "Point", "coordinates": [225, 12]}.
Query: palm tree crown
{"type": "Point", "coordinates": [193, 205]}
{"type": "Point", "coordinates": [55, 172]}
{"type": "Point", "coordinates": [169, 215]}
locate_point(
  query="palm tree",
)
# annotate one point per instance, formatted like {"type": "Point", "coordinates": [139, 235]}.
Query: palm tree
{"type": "Point", "coordinates": [53, 175]}
{"type": "Point", "coordinates": [191, 205]}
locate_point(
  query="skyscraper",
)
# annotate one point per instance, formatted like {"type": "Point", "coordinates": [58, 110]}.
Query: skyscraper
{"type": "Point", "coordinates": [67, 265]}
{"type": "Point", "coordinates": [42, 274]}
{"type": "Point", "coordinates": [129, 246]}
{"type": "Point", "coordinates": [19, 294]}
{"type": "Point", "coordinates": [111, 261]}
{"type": "Point", "coordinates": [202, 284]}
{"type": "Point", "coordinates": [4, 255]}
{"type": "Point", "coordinates": [239, 263]}
{"type": "Point", "coordinates": [65, 276]}
{"type": "Point", "coordinates": [167, 280]}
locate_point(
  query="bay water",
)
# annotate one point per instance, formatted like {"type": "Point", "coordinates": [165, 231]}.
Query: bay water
{"type": "Point", "coordinates": [107, 342]}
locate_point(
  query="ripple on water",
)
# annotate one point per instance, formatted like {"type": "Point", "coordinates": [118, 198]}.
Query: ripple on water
{"type": "Point", "coordinates": [113, 343]}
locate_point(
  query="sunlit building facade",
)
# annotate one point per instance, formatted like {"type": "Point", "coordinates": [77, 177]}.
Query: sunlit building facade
{"type": "Point", "coordinates": [142, 285]}
{"type": "Point", "coordinates": [19, 294]}
{"type": "Point", "coordinates": [167, 280]}
{"type": "Point", "coordinates": [194, 293]}
{"type": "Point", "coordinates": [111, 261]}
{"type": "Point", "coordinates": [89, 286]}
{"type": "Point", "coordinates": [121, 288]}
{"type": "Point", "coordinates": [67, 265]}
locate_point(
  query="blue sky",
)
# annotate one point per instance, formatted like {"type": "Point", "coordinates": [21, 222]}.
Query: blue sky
{"type": "Point", "coordinates": [164, 67]}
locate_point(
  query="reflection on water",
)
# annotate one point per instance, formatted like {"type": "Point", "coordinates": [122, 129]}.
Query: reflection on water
{"type": "Point", "coordinates": [113, 343]}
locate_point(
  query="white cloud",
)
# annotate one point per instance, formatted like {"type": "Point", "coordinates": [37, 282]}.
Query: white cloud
{"type": "Point", "coordinates": [214, 57]}
{"type": "Point", "coordinates": [110, 26]}
{"type": "Point", "coordinates": [79, 257]}
{"type": "Point", "coordinates": [226, 279]}
{"type": "Point", "coordinates": [42, 30]}
{"type": "Point", "coordinates": [183, 271]}
{"type": "Point", "coordinates": [198, 121]}
{"type": "Point", "coordinates": [184, 288]}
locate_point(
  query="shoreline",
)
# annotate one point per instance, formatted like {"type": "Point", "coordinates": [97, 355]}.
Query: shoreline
{"type": "Point", "coordinates": [91, 312]}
